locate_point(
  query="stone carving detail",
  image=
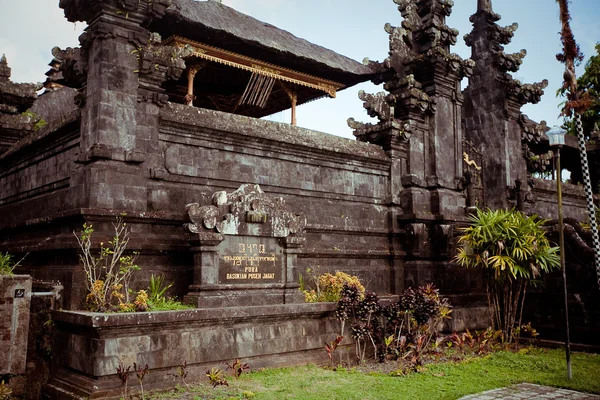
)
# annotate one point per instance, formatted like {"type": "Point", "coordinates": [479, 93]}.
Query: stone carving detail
{"type": "Point", "coordinates": [68, 68]}
{"type": "Point", "coordinates": [15, 98]}
{"type": "Point", "coordinates": [474, 167]}
{"type": "Point", "coordinates": [421, 42]}
{"type": "Point", "coordinates": [157, 64]}
{"type": "Point", "coordinates": [246, 211]}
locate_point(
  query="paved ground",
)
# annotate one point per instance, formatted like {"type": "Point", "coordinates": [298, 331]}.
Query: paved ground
{"type": "Point", "coordinates": [530, 391]}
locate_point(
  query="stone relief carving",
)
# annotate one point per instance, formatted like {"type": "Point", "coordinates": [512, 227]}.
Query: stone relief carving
{"type": "Point", "coordinates": [247, 211]}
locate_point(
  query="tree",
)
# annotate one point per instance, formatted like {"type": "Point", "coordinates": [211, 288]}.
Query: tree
{"type": "Point", "coordinates": [512, 249]}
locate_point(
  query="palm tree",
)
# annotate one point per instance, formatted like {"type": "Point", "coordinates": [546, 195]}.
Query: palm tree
{"type": "Point", "coordinates": [512, 249]}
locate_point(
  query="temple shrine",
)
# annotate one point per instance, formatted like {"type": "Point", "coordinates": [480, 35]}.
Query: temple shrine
{"type": "Point", "coordinates": [155, 118]}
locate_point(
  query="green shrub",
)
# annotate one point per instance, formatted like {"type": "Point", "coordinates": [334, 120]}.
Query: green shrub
{"type": "Point", "coordinates": [328, 287]}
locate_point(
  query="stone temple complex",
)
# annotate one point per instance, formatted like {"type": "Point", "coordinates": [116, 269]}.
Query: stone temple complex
{"type": "Point", "coordinates": [155, 118]}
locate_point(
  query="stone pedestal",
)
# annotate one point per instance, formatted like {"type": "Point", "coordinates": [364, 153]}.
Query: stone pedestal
{"type": "Point", "coordinates": [245, 250]}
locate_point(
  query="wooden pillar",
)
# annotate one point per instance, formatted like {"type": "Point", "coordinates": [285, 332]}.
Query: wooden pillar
{"type": "Point", "coordinates": [293, 95]}
{"type": "Point", "coordinates": [191, 74]}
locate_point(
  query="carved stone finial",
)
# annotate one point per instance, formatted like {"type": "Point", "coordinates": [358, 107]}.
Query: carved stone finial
{"type": "Point", "coordinates": [4, 69]}
{"type": "Point", "coordinates": [484, 5]}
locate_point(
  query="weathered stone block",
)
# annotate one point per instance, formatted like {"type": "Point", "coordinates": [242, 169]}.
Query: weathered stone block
{"type": "Point", "coordinates": [15, 291]}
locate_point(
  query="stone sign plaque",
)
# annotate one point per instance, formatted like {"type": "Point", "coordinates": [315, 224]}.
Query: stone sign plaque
{"type": "Point", "coordinates": [250, 260]}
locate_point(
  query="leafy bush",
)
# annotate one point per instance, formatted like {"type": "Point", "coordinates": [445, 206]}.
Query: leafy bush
{"type": "Point", "coordinates": [328, 287]}
{"type": "Point", "coordinates": [513, 250]}
{"type": "Point", "coordinates": [402, 329]}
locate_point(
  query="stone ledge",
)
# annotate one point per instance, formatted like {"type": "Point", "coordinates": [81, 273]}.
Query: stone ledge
{"type": "Point", "coordinates": [280, 132]}
{"type": "Point", "coordinates": [141, 319]}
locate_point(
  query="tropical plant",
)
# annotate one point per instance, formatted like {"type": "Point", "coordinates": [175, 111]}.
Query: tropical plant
{"type": "Point", "coordinates": [109, 271]}
{"type": "Point", "coordinates": [182, 372]}
{"type": "Point", "coordinates": [140, 373]}
{"type": "Point", "coordinates": [513, 250]}
{"type": "Point", "coordinates": [123, 374]}
{"type": "Point", "coordinates": [408, 325]}
{"type": "Point", "coordinates": [216, 378]}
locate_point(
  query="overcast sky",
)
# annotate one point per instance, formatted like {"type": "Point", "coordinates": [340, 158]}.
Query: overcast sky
{"type": "Point", "coordinates": [30, 28]}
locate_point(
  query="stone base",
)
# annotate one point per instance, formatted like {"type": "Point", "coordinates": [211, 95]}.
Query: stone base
{"type": "Point", "coordinates": [88, 346]}
{"type": "Point", "coordinates": [216, 298]}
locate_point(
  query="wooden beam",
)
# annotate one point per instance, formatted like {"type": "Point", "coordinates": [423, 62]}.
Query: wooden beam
{"type": "Point", "coordinates": [235, 60]}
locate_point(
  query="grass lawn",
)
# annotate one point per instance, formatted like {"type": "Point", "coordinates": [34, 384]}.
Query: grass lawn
{"type": "Point", "coordinates": [441, 381]}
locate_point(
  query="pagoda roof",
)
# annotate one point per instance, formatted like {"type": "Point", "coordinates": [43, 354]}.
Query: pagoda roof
{"type": "Point", "coordinates": [216, 24]}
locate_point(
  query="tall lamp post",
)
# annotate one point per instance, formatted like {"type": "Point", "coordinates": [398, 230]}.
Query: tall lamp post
{"type": "Point", "coordinates": [556, 135]}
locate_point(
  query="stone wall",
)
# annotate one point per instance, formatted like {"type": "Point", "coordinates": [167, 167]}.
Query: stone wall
{"type": "Point", "coordinates": [339, 184]}
{"type": "Point", "coordinates": [89, 346]}
{"type": "Point", "coordinates": [574, 203]}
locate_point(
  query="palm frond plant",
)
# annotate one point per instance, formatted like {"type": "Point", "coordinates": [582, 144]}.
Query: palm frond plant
{"type": "Point", "coordinates": [513, 251]}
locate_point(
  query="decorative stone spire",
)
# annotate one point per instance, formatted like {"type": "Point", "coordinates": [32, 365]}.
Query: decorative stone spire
{"type": "Point", "coordinates": [421, 79]}
{"type": "Point", "coordinates": [15, 98]}
{"type": "Point", "coordinates": [493, 101]}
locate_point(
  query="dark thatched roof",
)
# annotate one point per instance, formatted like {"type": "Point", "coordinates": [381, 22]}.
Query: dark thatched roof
{"type": "Point", "coordinates": [216, 24]}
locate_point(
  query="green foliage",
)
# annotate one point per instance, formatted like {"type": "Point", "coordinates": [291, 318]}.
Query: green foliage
{"type": "Point", "coordinates": [157, 289]}
{"type": "Point", "coordinates": [512, 249]}
{"type": "Point", "coordinates": [38, 122]}
{"type": "Point", "coordinates": [508, 243]}
{"type": "Point", "coordinates": [7, 265]}
{"type": "Point", "coordinates": [156, 297]}
{"type": "Point", "coordinates": [328, 287]}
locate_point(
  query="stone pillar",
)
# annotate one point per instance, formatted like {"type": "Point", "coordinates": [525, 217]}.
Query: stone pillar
{"type": "Point", "coordinates": [420, 126]}
{"type": "Point", "coordinates": [15, 298]}
{"type": "Point", "coordinates": [206, 260]}
{"type": "Point", "coordinates": [292, 246]}
{"type": "Point", "coordinates": [114, 72]}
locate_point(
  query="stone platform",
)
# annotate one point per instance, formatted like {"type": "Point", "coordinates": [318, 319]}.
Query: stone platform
{"type": "Point", "coordinates": [531, 392]}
